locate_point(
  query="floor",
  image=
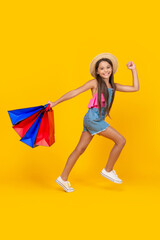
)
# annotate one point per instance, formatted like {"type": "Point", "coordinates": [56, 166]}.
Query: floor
{"type": "Point", "coordinates": [98, 208]}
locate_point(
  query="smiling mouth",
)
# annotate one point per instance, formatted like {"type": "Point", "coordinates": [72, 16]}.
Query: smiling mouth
{"type": "Point", "coordinates": [106, 74]}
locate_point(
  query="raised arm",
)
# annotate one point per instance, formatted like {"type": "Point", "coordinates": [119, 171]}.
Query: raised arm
{"type": "Point", "coordinates": [73, 93]}
{"type": "Point", "coordinates": [135, 86]}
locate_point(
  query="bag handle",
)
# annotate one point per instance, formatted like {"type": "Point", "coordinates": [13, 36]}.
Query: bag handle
{"type": "Point", "coordinates": [47, 107]}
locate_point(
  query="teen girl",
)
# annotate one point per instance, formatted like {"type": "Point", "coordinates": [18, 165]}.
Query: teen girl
{"type": "Point", "coordinates": [103, 87]}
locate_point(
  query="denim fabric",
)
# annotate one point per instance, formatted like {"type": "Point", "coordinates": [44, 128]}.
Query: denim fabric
{"type": "Point", "coordinates": [92, 121]}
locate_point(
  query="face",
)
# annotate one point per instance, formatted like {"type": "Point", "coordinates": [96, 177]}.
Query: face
{"type": "Point", "coordinates": [104, 70]}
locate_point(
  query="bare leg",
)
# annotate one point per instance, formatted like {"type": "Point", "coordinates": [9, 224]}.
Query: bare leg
{"type": "Point", "coordinates": [119, 140]}
{"type": "Point", "coordinates": [85, 139]}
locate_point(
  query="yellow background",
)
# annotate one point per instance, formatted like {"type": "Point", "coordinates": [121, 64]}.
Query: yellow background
{"type": "Point", "coordinates": [46, 49]}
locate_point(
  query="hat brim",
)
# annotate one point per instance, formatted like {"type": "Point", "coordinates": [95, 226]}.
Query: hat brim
{"type": "Point", "coordinates": [103, 55]}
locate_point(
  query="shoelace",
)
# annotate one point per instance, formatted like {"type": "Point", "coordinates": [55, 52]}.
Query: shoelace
{"type": "Point", "coordinates": [115, 173]}
{"type": "Point", "coordinates": [68, 183]}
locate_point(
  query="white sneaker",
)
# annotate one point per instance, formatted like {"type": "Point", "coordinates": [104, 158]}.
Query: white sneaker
{"type": "Point", "coordinates": [64, 184]}
{"type": "Point", "coordinates": [112, 176]}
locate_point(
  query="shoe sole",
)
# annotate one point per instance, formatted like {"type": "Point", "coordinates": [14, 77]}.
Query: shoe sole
{"type": "Point", "coordinates": [67, 190]}
{"type": "Point", "coordinates": [111, 179]}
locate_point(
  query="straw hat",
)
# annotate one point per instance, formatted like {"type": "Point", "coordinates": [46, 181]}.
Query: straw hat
{"type": "Point", "coordinates": [103, 55]}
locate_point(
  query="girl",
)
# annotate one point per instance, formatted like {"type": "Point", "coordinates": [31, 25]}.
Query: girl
{"type": "Point", "coordinates": [103, 87]}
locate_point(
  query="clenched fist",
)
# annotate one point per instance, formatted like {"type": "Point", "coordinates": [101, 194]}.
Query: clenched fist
{"type": "Point", "coordinates": [131, 65]}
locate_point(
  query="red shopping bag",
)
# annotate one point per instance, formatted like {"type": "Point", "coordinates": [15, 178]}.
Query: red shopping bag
{"type": "Point", "coordinates": [45, 135]}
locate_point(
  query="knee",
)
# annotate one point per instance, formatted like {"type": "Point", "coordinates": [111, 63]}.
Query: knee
{"type": "Point", "coordinates": [122, 141]}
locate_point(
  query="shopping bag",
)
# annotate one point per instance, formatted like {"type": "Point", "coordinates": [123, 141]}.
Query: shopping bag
{"type": "Point", "coordinates": [45, 136]}
{"type": "Point", "coordinates": [34, 125]}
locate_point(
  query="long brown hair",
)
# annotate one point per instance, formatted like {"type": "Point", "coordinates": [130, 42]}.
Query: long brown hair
{"type": "Point", "coordinates": [102, 87]}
